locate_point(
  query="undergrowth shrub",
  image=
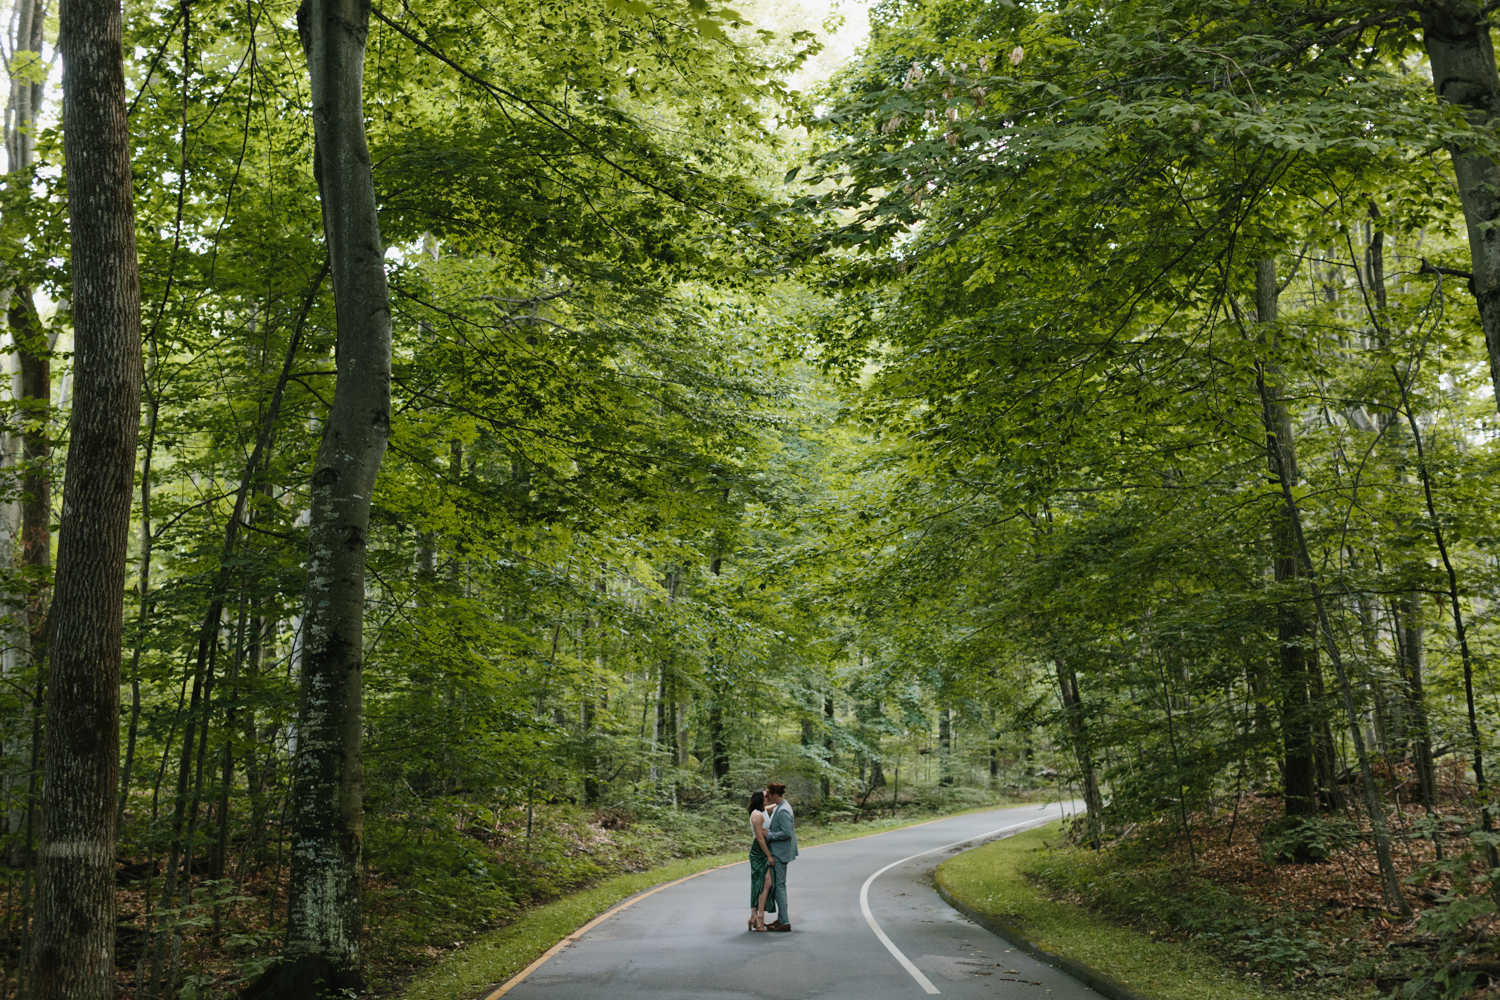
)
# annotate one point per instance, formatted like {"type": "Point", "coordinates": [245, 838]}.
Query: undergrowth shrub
{"type": "Point", "coordinates": [1131, 883]}
{"type": "Point", "coordinates": [1305, 839]}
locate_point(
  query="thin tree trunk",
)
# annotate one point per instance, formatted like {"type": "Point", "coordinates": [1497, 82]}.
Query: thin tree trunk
{"type": "Point", "coordinates": [590, 764]}
{"type": "Point", "coordinates": [1460, 630]}
{"type": "Point", "coordinates": [1182, 805]}
{"type": "Point", "coordinates": [718, 742]}
{"type": "Point", "coordinates": [659, 733]}
{"type": "Point", "coordinates": [27, 89]}
{"type": "Point", "coordinates": [325, 920]}
{"type": "Point", "coordinates": [1067, 682]}
{"type": "Point", "coordinates": [143, 592]}
{"type": "Point", "coordinates": [179, 810]}
{"type": "Point", "coordinates": [1375, 258]}
{"type": "Point", "coordinates": [73, 956]}
{"type": "Point", "coordinates": [226, 771]}
{"type": "Point", "coordinates": [1325, 755]}
{"type": "Point", "coordinates": [190, 844]}
{"type": "Point", "coordinates": [827, 787]}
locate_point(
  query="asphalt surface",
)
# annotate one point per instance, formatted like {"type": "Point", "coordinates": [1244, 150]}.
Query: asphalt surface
{"type": "Point", "coordinates": [689, 942]}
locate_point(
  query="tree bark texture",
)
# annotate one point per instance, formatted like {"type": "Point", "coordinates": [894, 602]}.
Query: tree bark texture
{"type": "Point", "coordinates": [73, 955]}
{"type": "Point", "coordinates": [326, 819]}
{"type": "Point", "coordinates": [1294, 626]}
{"type": "Point", "coordinates": [1457, 36]}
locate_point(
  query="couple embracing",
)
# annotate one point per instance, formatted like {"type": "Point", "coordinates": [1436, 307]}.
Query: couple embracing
{"type": "Point", "coordinates": [775, 847]}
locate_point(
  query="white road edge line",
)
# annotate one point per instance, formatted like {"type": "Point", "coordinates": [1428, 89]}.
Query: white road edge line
{"type": "Point", "coordinates": [864, 900]}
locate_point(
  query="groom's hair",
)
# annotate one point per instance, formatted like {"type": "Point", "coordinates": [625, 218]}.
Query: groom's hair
{"type": "Point", "coordinates": [776, 788]}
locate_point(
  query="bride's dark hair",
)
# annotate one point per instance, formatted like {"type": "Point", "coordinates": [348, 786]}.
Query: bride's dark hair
{"type": "Point", "coordinates": [757, 800]}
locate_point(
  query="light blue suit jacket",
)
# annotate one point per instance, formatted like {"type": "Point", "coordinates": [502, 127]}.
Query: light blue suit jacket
{"type": "Point", "coordinates": [781, 835]}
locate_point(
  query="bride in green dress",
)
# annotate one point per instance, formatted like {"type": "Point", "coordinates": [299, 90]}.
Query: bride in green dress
{"type": "Point", "coordinates": [761, 877]}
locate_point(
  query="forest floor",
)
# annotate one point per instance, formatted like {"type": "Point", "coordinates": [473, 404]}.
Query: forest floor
{"type": "Point", "coordinates": [441, 880]}
{"type": "Point", "coordinates": [1321, 928]}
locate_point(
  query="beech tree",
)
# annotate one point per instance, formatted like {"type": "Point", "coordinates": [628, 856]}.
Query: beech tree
{"type": "Point", "coordinates": [325, 922]}
{"type": "Point", "coordinates": [72, 954]}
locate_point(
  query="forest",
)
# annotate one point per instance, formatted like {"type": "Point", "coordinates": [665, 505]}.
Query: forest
{"type": "Point", "coordinates": [454, 451]}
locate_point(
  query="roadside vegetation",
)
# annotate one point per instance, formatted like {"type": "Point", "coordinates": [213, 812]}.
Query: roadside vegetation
{"type": "Point", "coordinates": [1317, 928]}
{"type": "Point", "coordinates": [1008, 881]}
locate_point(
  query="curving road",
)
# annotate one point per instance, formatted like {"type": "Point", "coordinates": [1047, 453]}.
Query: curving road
{"type": "Point", "coordinates": [868, 926]}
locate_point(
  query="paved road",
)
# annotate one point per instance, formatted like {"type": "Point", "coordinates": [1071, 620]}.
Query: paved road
{"type": "Point", "coordinates": [689, 942]}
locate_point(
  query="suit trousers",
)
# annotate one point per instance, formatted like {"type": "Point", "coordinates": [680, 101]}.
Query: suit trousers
{"type": "Point", "coordinates": [782, 913]}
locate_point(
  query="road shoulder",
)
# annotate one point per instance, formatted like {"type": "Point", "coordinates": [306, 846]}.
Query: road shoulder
{"type": "Point", "coordinates": [986, 884]}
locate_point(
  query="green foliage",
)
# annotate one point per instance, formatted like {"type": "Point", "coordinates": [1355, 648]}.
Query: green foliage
{"type": "Point", "coordinates": [1305, 839]}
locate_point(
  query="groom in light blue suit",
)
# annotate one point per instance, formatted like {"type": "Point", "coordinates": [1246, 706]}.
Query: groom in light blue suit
{"type": "Point", "coordinates": [781, 836]}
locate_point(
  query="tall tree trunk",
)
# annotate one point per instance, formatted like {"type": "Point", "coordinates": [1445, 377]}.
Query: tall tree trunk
{"type": "Point", "coordinates": [945, 747]}
{"type": "Point", "coordinates": [35, 357]}
{"type": "Point", "coordinates": [33, 554]}
{"type": "Point", "coordinates": [73, 954]}
{"type": "Point", "coordinates": [680, 737]}
{"type": "Point", "coordinates": [718, 742]}
{"type": "Point", "coordinates": [1410, 638]}
{"type": "Point", "coordinates": [590, 763]}
{"type": "Point", "coordinates": [1278, 439]}
{"type": "Point", "coordinates": [16, 654]}
{"type": "Point", "coordinates": [877, 762]}
{"type": "Point", "coordinates": [591, 790]}
{"type": "Point", "coordinates": [659, 733]}
{"type": "Point", "coordinates": [994, 751]}
{"type": "Point", "coordinates": [827, 787]}
{"type": "Point", "coordinates": [325, 920]}
{"type": "Point", "coordinates": [1462, 56]}
{"type": "Point", "coordinates": [1296, 639]}
{"type": "Point", "coordinates": [1325, 754]}
{"type": "Point", "coordinates": [27, 90]}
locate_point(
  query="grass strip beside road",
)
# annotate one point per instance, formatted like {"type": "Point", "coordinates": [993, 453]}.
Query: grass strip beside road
{"type": "Point", "coordinates": [494, 957]}
{"type": "Point", "coordinates": [991, 880]}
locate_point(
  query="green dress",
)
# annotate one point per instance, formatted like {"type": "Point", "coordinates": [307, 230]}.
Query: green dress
{"type": "Point", "coordinates": [759, 872]}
